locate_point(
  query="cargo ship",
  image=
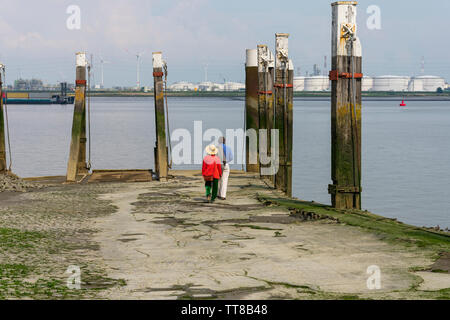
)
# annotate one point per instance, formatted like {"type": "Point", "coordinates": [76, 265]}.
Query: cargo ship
{"type": "Point", "coordinates": [39, 97]}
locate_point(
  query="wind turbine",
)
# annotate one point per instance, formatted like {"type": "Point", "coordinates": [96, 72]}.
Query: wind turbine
{"type": "Point", "coordinates": [102, 62]}
{"type": "Point", "coordinates": [206, 72]}
{"type": "Point", "coordinates": [138, 67]}
{"type": "Point", "coordinates": [138, 56]}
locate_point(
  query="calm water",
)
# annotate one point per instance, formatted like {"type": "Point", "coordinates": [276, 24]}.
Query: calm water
{"type": "Point", "coordinates": [406, 154]}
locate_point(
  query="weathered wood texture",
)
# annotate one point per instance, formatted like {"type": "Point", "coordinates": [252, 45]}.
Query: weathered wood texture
{"type": "Point", "coordinates": [345, 107]}
{"type": "Point", "coordinates": [3, 165]}
{"type": "Point", "coordinates": [270, 101]}
{"type": "Point", "coordinates": [77, 156]}
{"type": "Point", "coordinates": [281, 96]}
{"type": "Point", "coordinates": [289, 132]}
{"type": "Point", "coordinates": [266, 100]}
{"type": "Point", "coordinates": [283, 112]}
{"type": "Point", "coordinates": [346, 135]}
{"type": "Point", "coordinates": [252, 117]}
{"type": "Point", "coordinates": [161, 154]}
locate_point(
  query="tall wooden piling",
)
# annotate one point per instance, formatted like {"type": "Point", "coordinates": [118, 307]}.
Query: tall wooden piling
{"type": "Point", "coordinates": [265, 104]}
{"type": "Point", "coordinates": [262, 92]}
{"type": "Point", "coordinates": [77, 157]}
{"type": "Point", "coordinates": [161, 152]}
{"type": "Point", "coordinates": [270, 102]}
{"type": "Point", "coordinates": [346, 79]}
{"type": "Point", "coordinates": [251, 110]}
{"type": "Point", "coordinates": [283, 113]}
{"type": "Point", "coordinates": [289, 128]}
{"type": "Point", "coordinates": [3, 165]}
{"type": "Point", "coordinates": [262, 99]}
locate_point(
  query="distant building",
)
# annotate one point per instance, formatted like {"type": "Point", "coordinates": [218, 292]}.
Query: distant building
{"type": "Point", "coordinates": [317, 83]}
{"type": "Point", "coordinates": [233, 86]}
{"type": "Point", "coordinates": [381, 83]}
{"type": "Point", "coordinates": [367, 83]}
{"type": "Point", "coordinates": [299, 83]}
{"type": "Point", "coordinates": [314, 83]}
{"type": "Point", "coordinates": [391, 83]}
{"type": "Point", "coordinates": [24, 84]}
{"type": "Point", "coordinates": [210, 86]}
{"type": "Point", "coordinates": [207, 86]}
{"type": "Point", "coordinates": [182, 86]}
{"type": "Point", "coordinates": [430, 83]}
{"type": "Point", "coordinates": [405, 83]}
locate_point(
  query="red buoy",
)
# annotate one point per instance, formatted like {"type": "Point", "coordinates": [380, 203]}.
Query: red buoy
{"type": "Point", "coordinates": [403, 104]}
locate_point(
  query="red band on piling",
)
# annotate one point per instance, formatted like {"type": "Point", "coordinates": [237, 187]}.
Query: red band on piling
{"type": "Point", "coordinates": [158, 74]}
{"type": "Point", "coordinates": [265, 92]}
{"type": "Point", "coordinates": [335, 75]}
{"type": "Point", "coordinates": [281, 85]}
{"type": "Point", "coordinates": [80, 82]}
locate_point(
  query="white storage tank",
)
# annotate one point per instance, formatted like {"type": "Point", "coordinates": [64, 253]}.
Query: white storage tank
{"type": "Point", "coordinates": [391, 83]}
{"type": "Point", "coordinates": [317, 83]}
{"type": "Point", "coordinates": [367, 83]}
{"type": "Point", "coordinates": [299, 83]}
{"type": "Point", "coordinates": [431, 83]}
{"type": "Point", "coordinates": [415, 85]}
{"type": "Point", "coordinates": [210, 86]}
{"type": "Point", "coordinates": [233, 86]}
{"type": "Point", "coordinates": [182, 86]}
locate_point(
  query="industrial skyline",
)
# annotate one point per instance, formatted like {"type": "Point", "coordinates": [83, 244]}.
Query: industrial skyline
{"type": "Point", "coordinates": [195, 34]}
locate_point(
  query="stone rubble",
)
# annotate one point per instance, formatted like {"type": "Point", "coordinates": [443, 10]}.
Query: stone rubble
{"type": "Point", "coordinates": [10, 182]}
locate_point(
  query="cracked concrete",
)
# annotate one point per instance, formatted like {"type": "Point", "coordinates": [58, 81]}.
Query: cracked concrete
{"type": "Point", "coordinates": [167, 243]}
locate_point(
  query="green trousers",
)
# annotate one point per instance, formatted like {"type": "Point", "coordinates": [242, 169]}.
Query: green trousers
{"type": "Point", "coordinates": [212, 188]}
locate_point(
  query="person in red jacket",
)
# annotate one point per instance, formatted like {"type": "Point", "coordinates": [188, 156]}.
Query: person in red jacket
{"type": "Point", "coordinates": [212, 172]}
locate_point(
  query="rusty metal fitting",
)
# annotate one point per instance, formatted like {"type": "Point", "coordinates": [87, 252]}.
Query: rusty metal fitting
{"type": "Point", "coordinates": [334, 75]}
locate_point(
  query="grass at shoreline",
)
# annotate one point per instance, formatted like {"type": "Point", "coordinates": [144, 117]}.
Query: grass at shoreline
{"type": "Point", "coordinates": [44, 232]}
{"type": "Point", "coordinates": [388, 229]}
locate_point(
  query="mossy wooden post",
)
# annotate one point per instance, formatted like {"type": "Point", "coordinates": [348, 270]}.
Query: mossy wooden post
{"type": "Point", "coordinates": [77, 157]}
{"type": "Point", "coordinates": [161, 153]}
{"type": "Point", "coordinates": [266, 65]}
{"type": "Point", "coordinates": [251, 110]}
{"type": "Point", "coordinates": [263, 92]}
{"type": "Point", "coordinates": [281, 106]}
{"type": "Point", "coordinates": [270, 106]}
{"type": "Point", "coordinates": [289, 128]}
{"type": "Point", "coordinates": [345, 108]}
{"type": "Point", "coordinates": [3, 165]}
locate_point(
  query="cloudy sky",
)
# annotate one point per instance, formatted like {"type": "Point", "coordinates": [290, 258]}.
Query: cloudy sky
{"type": "Point", "coordinates": [35, 41]}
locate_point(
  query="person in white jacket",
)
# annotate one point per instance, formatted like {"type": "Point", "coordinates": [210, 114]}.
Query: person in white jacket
{"type": "Point", "coordinates": [226, 156]}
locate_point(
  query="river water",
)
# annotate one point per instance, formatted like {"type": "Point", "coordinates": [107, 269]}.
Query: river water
{"type": "Point", "coordinates": [406, 154]}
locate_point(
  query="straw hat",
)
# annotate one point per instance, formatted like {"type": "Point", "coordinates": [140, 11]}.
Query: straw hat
{"type": "Point", "coordinates": [212, 150]}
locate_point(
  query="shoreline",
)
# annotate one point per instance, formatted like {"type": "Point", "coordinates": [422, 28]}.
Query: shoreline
{"type": "Point", "coordinates": [369, 96]}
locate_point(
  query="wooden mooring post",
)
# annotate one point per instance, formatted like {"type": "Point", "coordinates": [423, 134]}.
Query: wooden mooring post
{"type": "Point", "coordinates": [161, 152]}
{"type": "Point", "coordinates": [77, 157]}
{"type": "Point", "coordinates": [251, 110]}
{"type": "Point", "coordinates": [346, 79]}
{"type": "Point", "coordinates": [3, 164]}
{"type": "Point", "coordinates": [289, 128]}
{"type": "Point", "coordinates": [284, 112]}
{"type": "Point", "coordinates": [265, 107]}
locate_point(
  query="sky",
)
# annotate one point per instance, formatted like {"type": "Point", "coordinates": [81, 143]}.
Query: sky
{"type": "Point", "coordinates": [192, 34]}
